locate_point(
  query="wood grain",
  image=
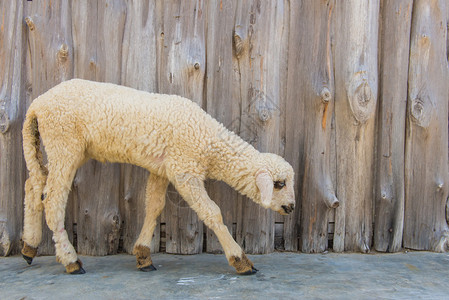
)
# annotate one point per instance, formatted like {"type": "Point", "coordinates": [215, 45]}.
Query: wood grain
{"type": "Point", "coordinates": [390, 185]}
{"type": "Point", "coordinates": [317, 86]}
{"type": "Point", "coordinates": [426, 170]}
{"type": "Point", "coordinates": [12, 110]}
{"type": "Point", "coordinates": [356, 83]}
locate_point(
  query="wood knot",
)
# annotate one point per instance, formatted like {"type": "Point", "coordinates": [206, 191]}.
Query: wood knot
{"type": "Point", "coordinates": [362, 97]}
{"type": "Point", "coordinates": [63, 53]}
{"type": "Point", "coordinates": [239, 45]}
{"type": "Point", "coordinates": [115, 222]}
{"type": "Point", "coordinates": [326, 95]}
{"type": "Point", "coordinates": [196, 66]}
{"type": "Point", "coordinates": [264, 115]}
{"type": "Point", "coordinates": [30, 23]}
{"type": "Point", "coordinates": [4, 121]}
{"type": "Point", "coordinates": [420, 111]}
{"type": "Point", "coordinates": [417, 109]}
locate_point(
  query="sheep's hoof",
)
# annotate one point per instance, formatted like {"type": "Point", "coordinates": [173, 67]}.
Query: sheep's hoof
{"type": "Point", "coordinates": [250, 272]}
{"type": "Point", "coordinates": [75, 268]}
{"type": "Point", "coordinates": [242, 265]}
{"type": "Point", "coordinates": [79, 271]}
{"type": "Point", "coordinates": [28, 253]}
{"type": "Point", "coordinates": [148, 268]}
{"type": "Point", "coordinates": [28, 259]}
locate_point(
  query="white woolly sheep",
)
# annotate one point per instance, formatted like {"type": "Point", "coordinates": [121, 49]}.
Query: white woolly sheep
{"type": "Point", "coordinates": [170, 136]}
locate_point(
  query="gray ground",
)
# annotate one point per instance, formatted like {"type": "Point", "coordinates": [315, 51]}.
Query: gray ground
{"type": "Point", "coordinates": [413, 275]}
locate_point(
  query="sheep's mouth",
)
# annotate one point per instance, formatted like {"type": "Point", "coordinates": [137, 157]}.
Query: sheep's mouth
{"type": "Point", "coordinates": [287, 209]}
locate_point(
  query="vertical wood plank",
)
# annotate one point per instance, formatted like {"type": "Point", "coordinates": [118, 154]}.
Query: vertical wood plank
{"type": "Point", "coordinates": [294, 124]}
{"type": "Point", "coordinates": [426, 170]}
{"type": "Point", "coordinates": [390, 189]}
{"type": "Point", "coordinates": [49, 61]}
{"type": "Point", "coordinates": [222, 101]}
{"type": "Point", "coordinates": [281, 226]}
{"type": "Point", "coordinates": [356, 84]}
{"type": "Point", "coordinates": [12, 110]}
{"type": "Point", "coordinates": [139, 70]}
{"type": "Point", "coordinates": [317, 86]}
{"type": "Point", "coordinates": [181, 71]}
{"type": "Point", "coordinates": [259, 49]}
{"type": "Point", "coordinates": [96, 186]}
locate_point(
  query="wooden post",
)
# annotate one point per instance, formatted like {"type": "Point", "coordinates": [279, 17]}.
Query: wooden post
{"type": "Point", "coordinates": [390, 185]}
{"type": "Point", "coordinates": [426, 153]}
{"type": "Point", "coordinates": [12, 110]}
{"type": "Point", "coordinates": [181, 71]}
{"type": "Point", "coordinates": [355, 105]}
{"type": "Point", "coordinates": [294, 124]}
{"type": "Point", "coordinates": [317, 86]}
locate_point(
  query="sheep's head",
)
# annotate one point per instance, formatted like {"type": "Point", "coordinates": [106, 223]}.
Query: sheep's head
{"type": "Point", "coordinates": [275, 182]}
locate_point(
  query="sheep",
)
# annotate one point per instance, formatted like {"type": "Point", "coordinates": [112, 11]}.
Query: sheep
{"type": "Point", "coordinates": [170, 136]}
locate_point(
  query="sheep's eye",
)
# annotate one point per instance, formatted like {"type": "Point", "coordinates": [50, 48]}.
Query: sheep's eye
{"type": "Point", "coordinates": [279, 184]}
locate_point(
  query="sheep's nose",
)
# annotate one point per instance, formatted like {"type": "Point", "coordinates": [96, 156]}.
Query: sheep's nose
{"type": "Point", "coordinates": [288, 209]}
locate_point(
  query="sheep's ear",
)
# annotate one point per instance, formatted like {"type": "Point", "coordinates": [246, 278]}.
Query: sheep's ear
{"type": "Point", "coordinates": [265, 184]}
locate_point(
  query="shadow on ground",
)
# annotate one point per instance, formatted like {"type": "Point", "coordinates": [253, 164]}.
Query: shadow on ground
{"type": "Point", "coordinates": [412, 275]}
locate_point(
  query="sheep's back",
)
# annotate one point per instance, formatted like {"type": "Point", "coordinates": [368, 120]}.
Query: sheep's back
{"type": "Point", "coordinates": [121, 124]}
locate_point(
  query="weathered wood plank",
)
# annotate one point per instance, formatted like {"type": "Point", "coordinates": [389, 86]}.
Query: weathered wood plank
{"type": "Point", "coordinates": [284, 106]}
{"type": "Point", "coordinates": [181, 70]}
{"type": "Point", "coordinates": [355, 104]}
{"type": "Point", "coordinates": [426, 170]}
{"type": "Point", "coordinates": [390, 185]}
{"type": "Point", "coordinates": [12, 110]}
{"type": "Point", "coordinates": [49, 62]}
{"type": "Point", "coordinates": [96, 185]}
{"type": "Point", "coordinates": [317, 86]}
{"type": "Point", "coordinates": [139, 70]}
{"type": "Point", "coordinates": [294, 125]}
{"type": "Point", "coordinates": [259, 88]}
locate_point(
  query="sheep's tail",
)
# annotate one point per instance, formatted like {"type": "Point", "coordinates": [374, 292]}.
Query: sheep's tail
{"type": "Point", "coordinates": [32, 152]}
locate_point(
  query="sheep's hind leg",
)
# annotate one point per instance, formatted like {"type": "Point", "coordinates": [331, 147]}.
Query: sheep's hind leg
{"type": "Point", "coordinates": [59, 180]}
{"type": "Point", "coordinates": [32, 229]}
{"type": "Point", "coordinates": [154, 204]}
{"type": "Point", "coordinates": [193, 191]}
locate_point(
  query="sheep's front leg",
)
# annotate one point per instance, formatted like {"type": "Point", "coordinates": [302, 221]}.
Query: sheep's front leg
{"type": "Point", "coordinates": [193, 191]}
{"type": "Point", "coordinates": [154, 203]}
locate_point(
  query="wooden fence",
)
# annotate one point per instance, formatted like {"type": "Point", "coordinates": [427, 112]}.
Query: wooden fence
{"type": "Point", "coordinates": [354, 94]}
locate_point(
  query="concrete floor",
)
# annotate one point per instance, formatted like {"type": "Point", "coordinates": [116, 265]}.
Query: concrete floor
{"type": "Point", "coordinates": [413, 275]}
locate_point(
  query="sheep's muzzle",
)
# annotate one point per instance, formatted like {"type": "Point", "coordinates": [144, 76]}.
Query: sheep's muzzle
{"type": "Point", "coordinates": [288, 208]}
